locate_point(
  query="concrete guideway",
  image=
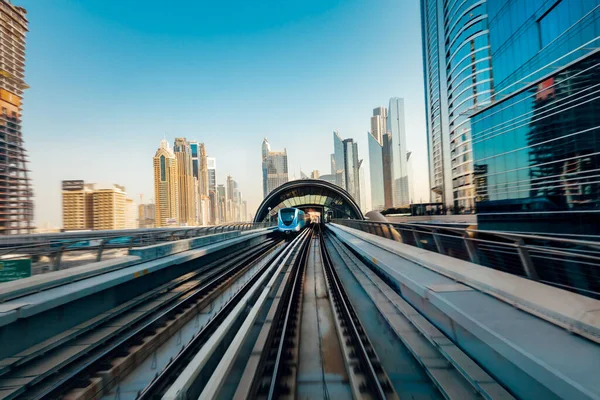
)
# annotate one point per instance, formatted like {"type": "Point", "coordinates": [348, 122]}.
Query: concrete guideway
{"type": "Point", "coordinates": [313, 340]}
{"type": "Point", "coordinates": [453, 372]}
{"type": "Point", "coordinates": [532, 357]}
{"type": "Point", "coordinates": [62, 349]}
{"type": "Point", "coordinates": [334, 313]}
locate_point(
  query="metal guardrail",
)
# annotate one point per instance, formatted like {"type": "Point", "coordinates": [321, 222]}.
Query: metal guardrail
{"type": "Point", "coordinates": [570, 264]}
{"type": "Point", "coordinates": [55, 245]}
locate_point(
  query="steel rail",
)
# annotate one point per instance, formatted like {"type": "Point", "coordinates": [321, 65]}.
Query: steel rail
{"type": "Point", "coordinates": [292, 295]}
{"type": "Point", "coordinates": [350, 319]}
{"type": "Point", "coordinates": [145, 297]}
{"type": "Point", "coordinates": [165, 310]}
{"type": "Point", "coordinates": [163, 380]}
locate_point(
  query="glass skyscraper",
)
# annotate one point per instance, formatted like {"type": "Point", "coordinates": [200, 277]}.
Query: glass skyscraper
{"type": "Point", "coordinates": [338, 166]}
{"type": "Point", "coordinates": [376, 172]}
{"type": "Point", "coordinates": [274, 168]}
{"type": "Point", "coordinates": [458, 81]}
{"type": "Point", "coordinates": [211, 165]}
{"type": "Point", "coordinates": [397, 130]}
{"type": "Point", "coordinates": [536, 149]}
{"type": "Point", "coordinates": [345, 165]}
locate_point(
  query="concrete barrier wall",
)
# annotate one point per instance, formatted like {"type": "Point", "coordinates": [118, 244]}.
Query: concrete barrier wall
{"type": "Point", "coordinates": [37, 283]}
{"type": "Point", "coordinates": [166, 249]}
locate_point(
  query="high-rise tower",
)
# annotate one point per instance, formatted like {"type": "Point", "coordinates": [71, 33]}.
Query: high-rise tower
{"type": "Point", "coordinates": [376, 171]}
{"type": "Point", "coordinates": [166, 195]}
{"type": "Point", "coordinates": [397, 130]}
{"type": "Point", "coordinates": [211, 165]}
{"type": "Point", "coordinates": [274, 168]}
{"type": "Point", "coordinates": [458, 82]}
{"type": "Point", "coordinates": [346, 165]}
{"type": "Point", "coordinates": [16, 204]}
{"type": "Point", "coordinates": [186, 186]}
{"type": "Point", "coordinates": [379, 123]}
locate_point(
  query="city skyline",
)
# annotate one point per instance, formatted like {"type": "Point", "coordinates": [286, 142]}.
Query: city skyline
{"type": "Point", "coordinates": [207, 91]}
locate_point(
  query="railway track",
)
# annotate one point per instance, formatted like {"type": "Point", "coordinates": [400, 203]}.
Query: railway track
{"type": "Point", "coordinates": [69, 363]}
{"type": "Point", "coordinates": [286, 320]}
{"type": "Point", "coordinates": [336, 349]}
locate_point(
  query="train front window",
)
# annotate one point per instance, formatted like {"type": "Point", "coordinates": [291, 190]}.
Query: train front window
{"type": "Point", "coordinates": [287, 215]}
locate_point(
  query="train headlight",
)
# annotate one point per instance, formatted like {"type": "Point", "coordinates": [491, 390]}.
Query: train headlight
{"type": "Point", "coordinates": [297, 228]}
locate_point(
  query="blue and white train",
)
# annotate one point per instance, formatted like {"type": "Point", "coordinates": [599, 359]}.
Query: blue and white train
{"type": "Point", "coordinates": [290, 220]}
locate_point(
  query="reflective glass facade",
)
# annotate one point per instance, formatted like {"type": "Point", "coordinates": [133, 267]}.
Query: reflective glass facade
{"type": "Point", "coordinates": [436, 105]}
{"type": "Point", "coordinates": [397, 130]}
{"type": "Point", "coordinates": [537, 148]}
{"type": "Point", "coordinates": [458, 82]}
{"type": "Point", "coordinates": [338, 164]}
{"type": "Point", "coordinates": [531, 39]}
{"type": "Point", "coordinates": [376, 172]}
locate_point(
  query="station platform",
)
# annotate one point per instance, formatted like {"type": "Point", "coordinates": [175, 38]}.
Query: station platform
{"type": "Point", "coordinates": [539, 341]}
{"type": "Point", "coordinates": [63, 299]}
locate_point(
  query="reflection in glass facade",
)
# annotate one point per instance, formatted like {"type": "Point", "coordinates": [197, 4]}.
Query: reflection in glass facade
{"type": "Point", "coordinates": [531, 39]}
{"type": "Point", "coordinates": [458, 81]}
{"type": "Point", "coordinates": [537, 148]}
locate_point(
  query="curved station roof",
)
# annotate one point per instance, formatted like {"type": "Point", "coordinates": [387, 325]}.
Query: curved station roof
{"type": "Point", "coordinates": [306, 194]}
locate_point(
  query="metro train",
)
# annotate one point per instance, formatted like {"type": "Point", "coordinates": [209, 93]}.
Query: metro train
{"type": "Point", "coordinates": [290, 220]}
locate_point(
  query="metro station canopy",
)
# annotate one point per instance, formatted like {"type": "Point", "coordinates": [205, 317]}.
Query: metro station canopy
{"type": "Point", "coordinates": [309, 194]}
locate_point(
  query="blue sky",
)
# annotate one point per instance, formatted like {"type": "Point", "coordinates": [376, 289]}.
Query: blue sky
{"type": "Point", "coordinates": [110, 78]}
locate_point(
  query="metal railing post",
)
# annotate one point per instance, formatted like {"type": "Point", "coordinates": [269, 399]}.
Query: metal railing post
{"type": "Point", "coordinates": [393, 236]}
{"type": "Point", "coordinates": [100, 250]}
{"type": "Point", "coordinates": [380, 233]}
{"type": "Point", "coordinates": [471, 249]}
{"type": "Point", "coordinates": [417, 239]}
{"type": "Point", "coordinates": [391, 231]}
{"type": "Point", "coordinates": [438, 241]}
{"type": "Point", "coordinates": [57, 259]}
{"type": "Point", "coordinates": [526, 261]}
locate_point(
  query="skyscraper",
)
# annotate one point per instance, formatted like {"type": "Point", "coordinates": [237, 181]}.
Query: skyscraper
{"type": "Point", "coordinates": [16, 204]}
{"type": "Point", "coordinates": [77, 205]}
{"type": "Point", "coordinates": [376, 171]}
{"type": "Point", "coordinates": [244, 211]}
{"type": "Point", "coordinates": [274, 168]}
{"type": "Point", "coordinates": [131, 221]}
{"type": "Point", "coordinates": [338, 164]}
{"type": "Point", "coordinates": [200, 168]}
{"type": "Point", "coordinates": [352, 168]}
{"type": "Point", "coordinates": [379, 123]}
{"type": "Point", "coordinates": [397, 130]}
{"type": "Point", "coordinates": [387, 159]}
{"type": "Point", "coordinates": [214, 207]}
{"type": "Point", "coordinates": [222, 203]}
{"type": "Point", "coordinates": [166, 193]}
{"type": "Point", "coordinates": [185, 182]}
{"type": "Point", "coordinates": [110, 208]}
{"type": "Point", "coordinates": [146, 215]}
{"type": "Point", "coordinates": [211, 165]}
{"type": "Point", "coordinates": [203, 173]}
{"type": "Point", "coordinates": [266, 149]}
{"type": "Point", "coordinates": [347, 165]}
{"type": "Point", "coordinates": [536, 143]}
{"type": "Point", "coordinates": [458, 81]}
{"type": "Point", "coordinates": [230, 199]}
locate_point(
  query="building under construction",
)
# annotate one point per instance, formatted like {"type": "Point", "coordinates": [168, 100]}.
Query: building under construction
{"type": "Point", "coordinates": [16, 204]}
